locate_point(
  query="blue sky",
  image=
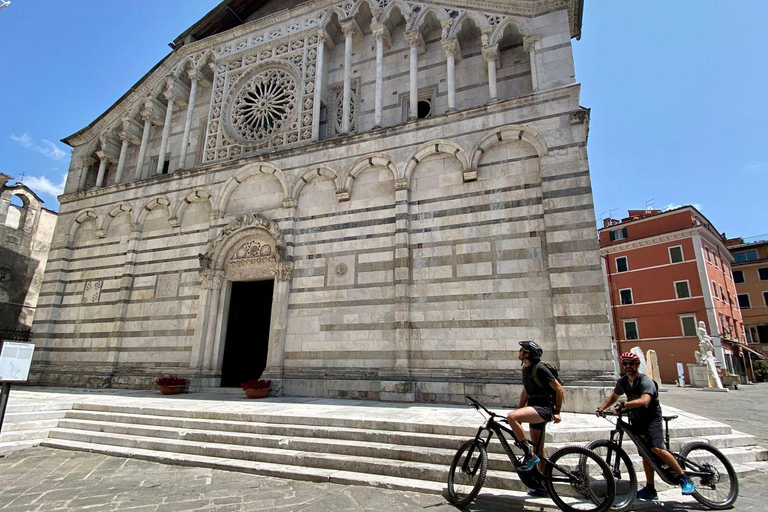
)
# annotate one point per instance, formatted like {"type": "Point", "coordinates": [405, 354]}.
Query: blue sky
{"type": "Point", "coordinates": [677, 92]}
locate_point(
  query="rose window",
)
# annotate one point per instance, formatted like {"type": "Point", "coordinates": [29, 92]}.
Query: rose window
{"type": "Point", "coordinates": [263, 104]}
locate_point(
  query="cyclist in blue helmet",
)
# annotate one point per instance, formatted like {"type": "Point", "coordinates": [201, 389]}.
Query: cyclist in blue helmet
{"type": "Point", "coordinates": [540, 402]}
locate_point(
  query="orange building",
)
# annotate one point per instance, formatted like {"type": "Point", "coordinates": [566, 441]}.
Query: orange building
{"type": "Point", "coordinates": [666, 272]}
{"type": "Point", "coordinates": [750, 273]}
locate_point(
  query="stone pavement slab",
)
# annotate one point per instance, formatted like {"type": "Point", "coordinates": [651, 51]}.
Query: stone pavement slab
{"type": "Point", "coordinates": [48, 480]}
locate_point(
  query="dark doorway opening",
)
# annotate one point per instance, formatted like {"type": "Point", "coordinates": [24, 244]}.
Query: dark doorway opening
{"type": "Point", "coordinates": [245, 349]}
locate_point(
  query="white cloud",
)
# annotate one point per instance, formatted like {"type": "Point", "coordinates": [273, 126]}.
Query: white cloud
{"type": "Point", "coordinates": [49, 149]}
{"type": "Point", "coordinates": [46, 186]}
{"type": "Point", "coordinates": [757, 166]}
{"type": "Point", "coordinates": [672, 206]}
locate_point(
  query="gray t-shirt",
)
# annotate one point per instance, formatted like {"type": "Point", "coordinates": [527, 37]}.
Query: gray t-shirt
{"type": "Point", "coordinates": [643, 385]}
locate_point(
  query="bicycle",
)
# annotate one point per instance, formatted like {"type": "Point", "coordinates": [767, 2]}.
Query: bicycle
{"type": "Point", "coordinates": [717, 485]}
{"type": "Point", "coordinates": [576, 478]}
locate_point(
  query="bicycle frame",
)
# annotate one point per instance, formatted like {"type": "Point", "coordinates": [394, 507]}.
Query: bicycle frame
{"type": "Point", "coordinates": [693, 469]}
{"type": "Point", "coordinates": [533, 478]}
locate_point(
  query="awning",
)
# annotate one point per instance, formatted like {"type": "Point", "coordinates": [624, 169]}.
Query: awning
{"type": "Point", "coordinates": [744, 347]}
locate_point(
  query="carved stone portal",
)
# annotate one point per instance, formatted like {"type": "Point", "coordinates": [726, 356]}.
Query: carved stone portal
{"type": "Point", "coordinates": [251, 247]}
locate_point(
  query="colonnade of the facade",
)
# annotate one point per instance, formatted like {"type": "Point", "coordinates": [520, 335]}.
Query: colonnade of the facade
{"type": "Point", "coordinates": [177, 94]}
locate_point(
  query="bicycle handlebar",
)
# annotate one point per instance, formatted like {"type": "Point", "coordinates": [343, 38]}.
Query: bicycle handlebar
{"type": "Point", "coordinates": [477, 405]}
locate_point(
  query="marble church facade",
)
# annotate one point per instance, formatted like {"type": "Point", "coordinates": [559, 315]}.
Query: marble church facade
{"type": "Point", "coordinates": [411, 176]}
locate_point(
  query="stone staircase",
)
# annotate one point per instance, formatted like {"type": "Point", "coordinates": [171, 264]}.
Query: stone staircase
{"type": "Point", "coordinates": [26, 425]}
{"type": "Point", "coordinates": [348, 448]}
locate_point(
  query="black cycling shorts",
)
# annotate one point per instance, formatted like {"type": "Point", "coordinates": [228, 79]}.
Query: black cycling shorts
{"type": "Point", "coordinates": [652, 436]}
{"type": "Point", "coordinates": [546, 415]}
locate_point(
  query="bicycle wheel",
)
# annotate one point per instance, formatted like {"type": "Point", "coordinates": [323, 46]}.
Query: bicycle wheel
{"type": "Point", "coordinates": [467, 474]}
{"type": "Point", "coordinates": [720, 487]}
{"type": "Point", "coordinates": [622, 470]}
{"type": "Point", "coordinates": [579, 480]}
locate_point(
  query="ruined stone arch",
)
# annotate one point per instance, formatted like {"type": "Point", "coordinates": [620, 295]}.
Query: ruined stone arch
{"type": "Point", "coordinates": [440, 146]}
{"type": "Point", "coordinates": [245, 173]}
{"type": "Point", "coordinates": [89, 214]}
{"type": "Point", "coordinates": [370, 162]}
{"type": "Point", "coordinates": [116, 211]}
{"type": "Point", "coordinates": [521, 25]}
{"type": "Point", "coordinates": [195, 196]}
{"type": "Point", "coordinates": [509, 133]}
{"type": "Point", "coordinates": [313, 174]}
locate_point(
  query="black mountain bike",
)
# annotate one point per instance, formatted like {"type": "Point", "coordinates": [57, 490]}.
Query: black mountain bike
{"type": "Point", "coordinates": [717, 485]}
{"type": "Point", "coordinates": [576, 478]}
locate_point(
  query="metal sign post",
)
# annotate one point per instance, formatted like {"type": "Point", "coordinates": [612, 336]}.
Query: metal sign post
{"type": "Point", "coordinates": [15, 360]}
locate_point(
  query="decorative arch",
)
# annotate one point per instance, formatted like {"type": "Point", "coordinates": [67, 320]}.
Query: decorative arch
{"type": "Point", "coordinates": [239, 251]}
{"type": "Point", "coordinates": [83, 216]}
{"type": "Point", "coordinates": [405, 12]}
{"type": "Point", "coordinates": [314, 173]}
{"type": "Point", "coordinates": [152, 204]}
{"type": "Point", "coordinates": [440, 14]}
{"type": "Point", "coordinates": [326, 19]}
{"type": "Point", "coordinates": [509, 133]}
{"type": "Point", "coordinates": [479, 20]}
{"type": "Point", "coordinates": [195, 196]}
{"type": "Point", "coordinates": [522, 26]}
{"type": "Point", "coordinates": [370, 162]}
{"type": "Point", "coordinates": [245, 173]}
{"type": "Point", "coordinates": [440, 146]}
{"type": "Point", "coordinates": [355, 8]}
{"type": "Point", "coordinates": [116, 211]}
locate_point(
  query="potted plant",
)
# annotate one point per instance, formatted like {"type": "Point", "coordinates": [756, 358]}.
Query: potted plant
{"type": "Point", "coordinates": [171, 385]}
{"type": "Point", "coordinates": [761, 370]}
{"type": "Point", "coordinates": [256, 388]}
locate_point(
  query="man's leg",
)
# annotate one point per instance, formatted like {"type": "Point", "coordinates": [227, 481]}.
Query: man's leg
{"type": "Point", "coordinates": [668, 459]}
{"type": "Point", "coordinates": [515, 418]}
{"type": "Point", "coordinates": [537, 438]}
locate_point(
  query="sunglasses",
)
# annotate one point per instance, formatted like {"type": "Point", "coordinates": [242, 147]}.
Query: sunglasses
{"type": "Point", "coordinates": [628, 363]}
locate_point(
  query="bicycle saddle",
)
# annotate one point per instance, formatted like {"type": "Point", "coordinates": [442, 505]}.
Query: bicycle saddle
{"type": "Point", "coordinates": [669, 418]}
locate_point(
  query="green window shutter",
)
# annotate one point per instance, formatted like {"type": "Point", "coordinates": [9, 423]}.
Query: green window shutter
{"type": "Point", "coordinates": [613, 235]}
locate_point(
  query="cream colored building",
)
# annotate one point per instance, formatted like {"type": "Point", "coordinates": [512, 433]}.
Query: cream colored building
{"type": "Point", "coordinates": [373, 199]}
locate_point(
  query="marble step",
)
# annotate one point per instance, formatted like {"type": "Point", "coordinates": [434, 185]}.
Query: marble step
{"type": "Point", "coordinates": [435, 472]}
{"type": "Point", "coordinates": [37, 425]}
{"type": "Point", "coordinates": [7, 447]}
{"type": "Point", "coordinates": [27, 416]}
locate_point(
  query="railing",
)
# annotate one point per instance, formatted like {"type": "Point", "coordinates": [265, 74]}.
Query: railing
{"type": "Point", "coordinates": [15, 334]}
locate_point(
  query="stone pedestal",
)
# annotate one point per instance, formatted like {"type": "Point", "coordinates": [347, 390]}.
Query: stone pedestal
{"type": "Point", "coordinates": [697, 375]}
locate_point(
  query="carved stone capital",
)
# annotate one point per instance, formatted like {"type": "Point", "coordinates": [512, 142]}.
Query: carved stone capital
{"type": "Point", "coordinates": [415, 40]}
{"type": "Point", "coordinates": [152, 110]}
{"type": "Point", "coordinates": [135, 227]}
{"type": "Point", "coordinates": [342, 195]}
{"type": "Point", "coordinates": [289, 203]}
{"type": "Point", "coordinates": [285, 270]}
{"type": "Point", "coordinates": [381, 33]}
{"type": "Point", "coordinates": [131, 131]}
{"type": "Point", "coordinates": [529, 43]}
{"type": "Point", "coordinates": [350, 28]}
{"type": "Point", "coordinates": [401, 184]}
{"type": "Point", "coordinates": [87, 161]}
{"type": "Point", "coordinates": [451, 47]}
{"type": "Point", "coordinates": [470, 175]}
{"type": "Point", "coordinates": [106, 156]}
{"type": "Point", "coordinates": [197, 75]}
{"type": "Point", "coordinates": [176, 91]}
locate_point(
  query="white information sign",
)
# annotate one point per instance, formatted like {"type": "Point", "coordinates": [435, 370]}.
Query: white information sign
{"type": "Point", "coordinates": [15, 360]}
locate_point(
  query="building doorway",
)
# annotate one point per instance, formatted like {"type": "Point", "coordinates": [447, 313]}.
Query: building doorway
{"type": "Point", "coordinates": [245, 348]}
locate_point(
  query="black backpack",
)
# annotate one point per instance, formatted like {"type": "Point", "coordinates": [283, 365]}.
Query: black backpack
{"type": "Point", "coordinates": [553, 369]}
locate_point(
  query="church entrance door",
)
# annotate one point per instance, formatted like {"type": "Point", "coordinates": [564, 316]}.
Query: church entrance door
{"type": "Point", "coordinates": [245, 348]}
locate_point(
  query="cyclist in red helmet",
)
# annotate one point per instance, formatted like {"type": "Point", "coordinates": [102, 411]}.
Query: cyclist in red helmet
{"type": "Point", "coordinates": [645, 416]}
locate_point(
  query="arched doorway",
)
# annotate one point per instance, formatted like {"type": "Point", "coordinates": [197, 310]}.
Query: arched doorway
{"type": "Point", "coordinates": [246, 271]}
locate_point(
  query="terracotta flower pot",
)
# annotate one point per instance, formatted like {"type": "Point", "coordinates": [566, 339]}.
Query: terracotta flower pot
{"type": "Point", "coordinates": [174, 389]}
{"type": "Point", "coordinates": [257, 393]}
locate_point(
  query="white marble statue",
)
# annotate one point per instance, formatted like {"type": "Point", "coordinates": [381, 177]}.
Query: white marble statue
{"type": "Point", "coordinates": [706, 356]}
{"type": "Point", "coordinates": [653, 367]}
{"type": "Point", "coordinates": [639, 352]}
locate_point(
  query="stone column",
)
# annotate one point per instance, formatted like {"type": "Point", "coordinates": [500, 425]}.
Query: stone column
{"type": "Point", "coordinates": [103, 161]}
{"type": "Point", "coordinates": [491, 56]}
{"type": "Point", "coordinates": [121, 160]}
{"type": "Point", "coordinates": [382, 37]}
{"type": "Point", "coordinates": [322, 38]}
{"type": "Point", "coordinates": [166, 131]}
{"type": "Point", "coordinates": [530, 44]}
{"type": "Point", "coordinates": [350, 29]}
{"type": "Point", "coordinates": [87, 162]}
{"type": "Point", "coordinates": [148, 117]}
{"type": "Point", "coordinates": [416, 44]}
{"type": "Point", "coordinates": [128, 135]}
{"type": "Point", "coordinates": [194, 79]}
{"type": "Point", "coordinates": [452, 51]}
